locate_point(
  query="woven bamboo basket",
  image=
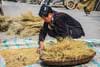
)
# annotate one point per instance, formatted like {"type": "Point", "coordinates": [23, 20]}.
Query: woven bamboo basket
{"type": "Point", "coordinates": [69, 62]}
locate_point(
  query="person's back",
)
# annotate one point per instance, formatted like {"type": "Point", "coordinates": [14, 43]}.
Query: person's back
{"type": "Point", "coordinates": [64, 21]}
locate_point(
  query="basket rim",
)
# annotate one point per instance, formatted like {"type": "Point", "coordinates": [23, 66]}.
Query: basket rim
{"type": "Point", "coordinates": [89, 57]}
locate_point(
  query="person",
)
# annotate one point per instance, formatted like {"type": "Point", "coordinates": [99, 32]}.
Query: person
{"type": "Point", "coordinates": [1, 11]}
{"type": "Point", "coordinates": [58, 24]}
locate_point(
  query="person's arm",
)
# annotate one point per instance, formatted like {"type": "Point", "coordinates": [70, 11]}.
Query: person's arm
{"type": "Point", "coordinates": [42, 35]}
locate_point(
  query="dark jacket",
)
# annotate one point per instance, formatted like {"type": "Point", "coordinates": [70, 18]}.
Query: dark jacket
{"type": "Point", "coordinates": [62, 25]}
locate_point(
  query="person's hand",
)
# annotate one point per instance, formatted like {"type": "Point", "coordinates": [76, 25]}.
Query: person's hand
{"type": "Point", "coordinates": [41, 47]}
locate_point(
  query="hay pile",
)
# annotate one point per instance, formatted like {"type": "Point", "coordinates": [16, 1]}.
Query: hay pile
{"type": "Point", "coordinates": [4, 23]}
{"type": "Point", "coordinates": [23, 26]}
{"type": "Point", "coordinates": [20, 57]}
